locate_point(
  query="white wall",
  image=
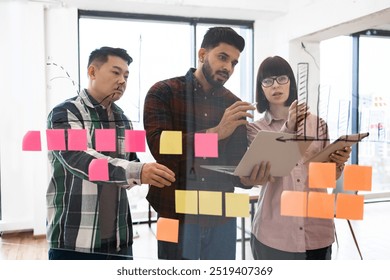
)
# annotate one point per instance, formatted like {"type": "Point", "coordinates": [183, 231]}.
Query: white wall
{"type": "Point", "coordinates": [35, 35]}
{"type": "Point", "coordinates": [23, 92]}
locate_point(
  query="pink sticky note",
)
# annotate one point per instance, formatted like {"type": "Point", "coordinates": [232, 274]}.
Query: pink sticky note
{"type": "Point", "coordinates": [55, 139]}
{"type": "Point", "coordinates": [77, 139]}
{"type": "Point", "coordinates": [105, 140]}
{"type": "Point", "coordinates": [206, 145]}
{"type": "Point", "coordinates": [32, 141]}
{"type": "Point", "coordinates": [98, 170]}
{"type": "Point", "coordinates": [135, 140]}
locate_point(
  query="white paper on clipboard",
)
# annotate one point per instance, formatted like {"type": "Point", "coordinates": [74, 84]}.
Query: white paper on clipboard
{"type": "Point", "coordinates": [282, 150]}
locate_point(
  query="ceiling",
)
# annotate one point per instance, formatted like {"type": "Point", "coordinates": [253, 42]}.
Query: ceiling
{"type": "Point", "coordinates": [232, 9]}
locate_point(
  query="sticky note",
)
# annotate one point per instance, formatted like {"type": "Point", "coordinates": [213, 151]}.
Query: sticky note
{"type": "Point", "coordinates": [105, 140]}
{"type": "Point", "coordinates": [320, 205]}
{"type": "Point", "coordinates": [357, 178]}
{"type": "Point", "coordinates": [206, 145]}
{"type": "Point", "coordinates": [167, 230]}
{"type": "Point", "coordinates": [293, 203]}
{"type": "Point", "coordinates": [77, 139]}
{"type": "Point", "coordinates": [135, 140]}
{"type": "Point", "coordinates": [349, 206]}
{"type": "Point", "coordinates": [322, 175]}
{"type": "Point", "coordinates": [210, 203]}
{"type": "Point", "coordinates": [55, 139]}
{"type": "Point", "coordinates": [237, 205]}
{"type": "Point", "coordinates": [32, 141]}
{"type": "Point", "coordinates": [171, 143]}
{"type": "Point", "coordinates": [186, 202]}
{"type": "Point", "coordinates": [98, 170]}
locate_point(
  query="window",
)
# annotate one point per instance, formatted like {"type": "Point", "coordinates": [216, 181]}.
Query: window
{"type": "Point", "coordinates": [374, 113]}
{"type": "Point", "coordinates": [161, 47]}
{"type": "Point", "coordinates": [354, 70]}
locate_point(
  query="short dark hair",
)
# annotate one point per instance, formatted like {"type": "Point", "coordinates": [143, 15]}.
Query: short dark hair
{"type": "Point", "coordinates": [274, 66]}
{"type": "Point", "coordinates": [101, 55]}
{"type": "Point", "coordinates": [216, 35]}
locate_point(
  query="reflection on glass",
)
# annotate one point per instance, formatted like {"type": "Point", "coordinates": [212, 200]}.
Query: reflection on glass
{"type": "Point", "coordinates": [160, 50]}
{"type": "Point", "coordinates": [373, 108]}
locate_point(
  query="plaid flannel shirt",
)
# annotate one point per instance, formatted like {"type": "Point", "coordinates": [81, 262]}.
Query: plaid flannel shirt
{"type": "Point", "coordinates": [180, 104]}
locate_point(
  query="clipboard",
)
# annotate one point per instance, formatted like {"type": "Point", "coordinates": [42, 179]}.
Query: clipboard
{"type": "Point", "coordinates": [282, 150]}
{"type": "Point", "coordinates": [339, 144]}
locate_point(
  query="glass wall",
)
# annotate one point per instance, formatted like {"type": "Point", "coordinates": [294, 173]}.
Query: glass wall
{"type": "Point", "coordinates": [161, 48]}
{"type": "Point", "coordinates": [355, 68]}
{"type": "Point", "coordinates": [374, 97]}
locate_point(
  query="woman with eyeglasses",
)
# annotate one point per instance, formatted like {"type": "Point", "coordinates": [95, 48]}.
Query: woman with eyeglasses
{"type": "Point", "coordinates": [277, 237]}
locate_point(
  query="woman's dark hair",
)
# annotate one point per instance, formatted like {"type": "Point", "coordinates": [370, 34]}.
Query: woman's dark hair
{"type": "Point", "coordinates": [274, 66]}
{"type": "Point", "coordinates": [216, 35]}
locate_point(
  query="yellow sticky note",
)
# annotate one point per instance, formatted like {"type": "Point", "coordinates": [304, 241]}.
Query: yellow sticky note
{"type": "Point", "coordinates": [357, 178]}
{"type": "Point", "coordinates": [320, 205]}
{"type": "Point", "coordinates": [171, 143]}
{"type": "Point", "coordinates": [167, 230]}
{"type": "Point", "coordinates": [210, 203]}
{"type": "Point", "coordinates": [237, 205]}
{"type": "Point", "coordinates": [322, 175]}
{"type": "Point", "coordinates": [293, 203]}
{"type": "Point", "coordinates": [349, 206]}
{"type": "Point", "coordinates": [186, 202]}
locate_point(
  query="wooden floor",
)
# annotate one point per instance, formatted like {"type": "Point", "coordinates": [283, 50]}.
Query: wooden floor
{"type": "Point", "coordinates": [373, 235]}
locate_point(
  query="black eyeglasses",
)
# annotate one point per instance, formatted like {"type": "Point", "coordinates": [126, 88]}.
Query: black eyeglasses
{"type": "Point", "coordinates": [267, 82]}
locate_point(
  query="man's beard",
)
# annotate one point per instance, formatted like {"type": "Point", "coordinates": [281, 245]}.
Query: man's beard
{"type": "Point", "coordinates": [207, 72]}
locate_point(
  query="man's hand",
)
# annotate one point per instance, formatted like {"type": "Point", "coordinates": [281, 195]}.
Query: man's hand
{"type": "Point", "coordinates": [259, 176]}
{"type": "Point", "coordinates": [233, 117]}
{"type": "Point", "coordinates": [157, 175]}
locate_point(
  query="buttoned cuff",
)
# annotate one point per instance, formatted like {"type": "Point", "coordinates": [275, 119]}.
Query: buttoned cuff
{"type": "Point", "coordinates": [133, 173]}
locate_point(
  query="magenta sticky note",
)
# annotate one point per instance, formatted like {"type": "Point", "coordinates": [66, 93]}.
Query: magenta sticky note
{"type": "Point", "coordinates": [32, 141]}
{"type": "Point", "coordinates": [135, 140]}
{"type": "Point", "coordinates": [55, 139]}
{"type": "Point", "coordinates": [77, 139]}
{"type": "Point", "coordinates": [206, 145]}
{"type": "Point", "coordinates": [105, 140]}
{"type": "Point", "coordinates": [98, 170]}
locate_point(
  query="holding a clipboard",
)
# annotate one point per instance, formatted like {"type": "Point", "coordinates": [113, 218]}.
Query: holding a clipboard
{"type": "Point", "coordinates": [339, 144]}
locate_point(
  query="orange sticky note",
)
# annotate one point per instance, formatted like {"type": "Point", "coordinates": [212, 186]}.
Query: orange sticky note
{"type": "Point", "coordinates": [322, 175]}
{"type": "Point", "coordinates": [349, 206]}
{"type": "Point", "coordinates": [186, 202]}
{"type": "Point", "coordinates": [32, 141]}
{"type": "Point", "coordinates": [55, 139]}
{"type": "Point", "coordinates": [206, 145]}
{"type": "Point", "coordinates": [237, 205]}
{"type": "Point", "coordinates": [98, 170]}
{"type": "Point", "coordinates": [210, 203]}
{"type": "Point", "coordinates": [357, 178]}
{"type": "Point", "coordinates": [135, 140]}
{"type": "Point", "coordinates": [167, 230]}
{"type": "Point", "coordinates": [77, 139]}
{"type": "Point", "coordinates": [171, 143]}
{"type": "Point", "coordinates": [320, 205]}
{"type": "Point", "coordinates": [293, 203]}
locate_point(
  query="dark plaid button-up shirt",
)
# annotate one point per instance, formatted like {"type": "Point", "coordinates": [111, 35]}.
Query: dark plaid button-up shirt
{"type": "Point", "coordinates": [180, 104]}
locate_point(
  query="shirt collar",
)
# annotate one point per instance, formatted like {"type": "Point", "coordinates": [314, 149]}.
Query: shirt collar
{"type": "Point", "coordinates": [92, 103]}
{"type": "Point", "coordinates": [198, 89]}
{"type": "Point", "coordinates": [268, 117]}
